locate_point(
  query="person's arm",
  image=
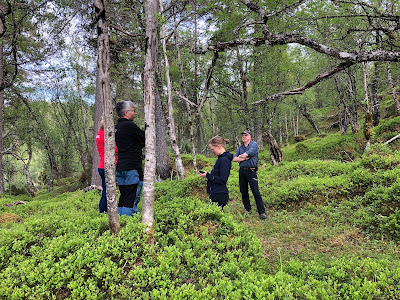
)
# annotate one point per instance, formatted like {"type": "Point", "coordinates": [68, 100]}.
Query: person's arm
{"type": "Point", "coordinates": [225, 169]}
{"type": "Point", "coordinates": [139, 134]}
{"type": "Point", "coordinates": [238, 157]}
{"type": "Point", "coordinates": [100, 144]}
{"type": "Point", "coordinates": [252, 150]}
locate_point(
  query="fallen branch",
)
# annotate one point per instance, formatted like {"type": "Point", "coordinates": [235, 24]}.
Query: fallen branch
{"type": "Point", "coordinates": [15, 203]}
{"type": "Point", "coordinates": [392, 139]}
{"type": "Point", "coordinates": [378, 214]}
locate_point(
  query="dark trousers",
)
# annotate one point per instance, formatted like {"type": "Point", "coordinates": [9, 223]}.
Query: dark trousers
{"type": "Point", "coordinates": [128, 195]}
{"type": "Point", "coordinates": [220, 198]}
{"type": "Point", "coordinates": [246, 178]}
{"type": "Point", "coordinates": [103, 199]}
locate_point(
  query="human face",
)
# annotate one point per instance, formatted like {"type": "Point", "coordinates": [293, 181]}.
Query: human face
{"type": "Point", "coordinates": [246, 138]}
{"type": "Point", "coordinates": [217, 150]}
{"type": "Point", "coordinates": [130, 114]}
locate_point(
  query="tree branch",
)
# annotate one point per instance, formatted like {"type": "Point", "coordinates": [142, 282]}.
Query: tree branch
{"type": "Point", "coordinates": [184, 98]}
{"type": "Point", "coordinates": [392, 139]}
{"type": "Point", "coordinates": [309, 84]}
{"type": "Point", "coordinates": [124, 31]}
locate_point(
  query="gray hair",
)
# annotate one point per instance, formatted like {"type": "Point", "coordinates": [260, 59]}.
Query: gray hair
{"type": "Point", "coordinates": [122, 107]}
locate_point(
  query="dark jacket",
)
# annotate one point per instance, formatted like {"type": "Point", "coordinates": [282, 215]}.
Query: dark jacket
{"type": "Point", "coordinates": [130, 141]}
{"type": "Point", "coordinates": [219, 175]}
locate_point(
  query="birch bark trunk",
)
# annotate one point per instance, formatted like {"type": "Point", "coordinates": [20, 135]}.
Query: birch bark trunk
{"type": "Point", "coordinates": [103, 71]}
{"type": "Point", "coordinates": [393, 87]}
{"type": "Point", "coordinates": [188, 108]}
{"type": "Point", "coordinates": [171, 124]}
{"type": "Point", "coordinates": [151, 9]}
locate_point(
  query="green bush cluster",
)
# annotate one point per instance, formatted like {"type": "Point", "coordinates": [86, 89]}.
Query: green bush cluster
{"type": "Point", "coordinates": [64, 250]}
{"type": "Point", "coordinates": [342, 147]}
{"type": "Point", "coordinates": [386, 129]}
{"type": "Point", "coordinates": [295, 182]}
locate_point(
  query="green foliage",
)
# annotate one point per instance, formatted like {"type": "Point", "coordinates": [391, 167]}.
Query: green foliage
{"type": "Point", "coordinates": [334, 146]}
{"type": "Point", "coordinates": [60, 247]}
{"type": "Point", "coordinates": [386, 130]}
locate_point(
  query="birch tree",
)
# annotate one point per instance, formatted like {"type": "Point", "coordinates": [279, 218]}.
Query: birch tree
{"type": "Point", "coordinates": [103, 72]}
{"type": "Point", "coordinates": [151, 8]}
{"type": "Point", "coordinates": [171, 122]}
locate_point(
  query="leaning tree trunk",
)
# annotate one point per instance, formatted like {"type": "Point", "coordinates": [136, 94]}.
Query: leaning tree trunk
{"type": "Point", "coordinates": [306, 114]}
{"type": "Point", "coordinates": [180, 171]}
{"type": "Point", "coordinates": [274, 151]}
{"type": "Point", "coordinates": [151, 10]}
{"type": "Point", "coordinates": [103, 71]}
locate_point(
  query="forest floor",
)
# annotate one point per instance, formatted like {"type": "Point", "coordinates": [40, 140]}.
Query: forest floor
{"type": "Point", "coordinates": [312, 231]}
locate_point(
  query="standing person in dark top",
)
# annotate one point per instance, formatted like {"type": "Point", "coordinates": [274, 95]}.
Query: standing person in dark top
{"type": "Point", "coordinates": [217, 179]}
{"type": "Point", "coordinates": [129, 173]}
{"type": "Point", "coordinates": [247, 157]}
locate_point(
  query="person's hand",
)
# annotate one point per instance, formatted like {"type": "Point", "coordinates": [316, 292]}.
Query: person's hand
{"type": "Point", "coordinates": [203, 174]}
{"type": "Point", "coordinates": [244, 156]}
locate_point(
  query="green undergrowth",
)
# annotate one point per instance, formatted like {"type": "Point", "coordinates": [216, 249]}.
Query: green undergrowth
{"type": "Point", "coordinates": [332, 232]}
{"type": "Point", "coordinates": [341, 147]}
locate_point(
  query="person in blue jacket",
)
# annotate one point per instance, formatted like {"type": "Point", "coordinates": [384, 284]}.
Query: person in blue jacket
{"type": "Point", "coordinates": [247, 157]}
{"type": "Point", "coordinates": [217, 179]}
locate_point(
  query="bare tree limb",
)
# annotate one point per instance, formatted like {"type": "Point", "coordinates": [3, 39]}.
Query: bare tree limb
{"type": "Point", "coordinates": [185, 98]}
{"type": "Point", "coordinates": [309, 84]}
{"type": "Point", "coordinates": [208, 81]}
{"type": "Point", "coordinates": [392, 139]}
{"type": "Point", "coordinates": [124, 31]}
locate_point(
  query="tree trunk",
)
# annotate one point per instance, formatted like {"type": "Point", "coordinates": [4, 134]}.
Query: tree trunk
{"type": "Point", "coordinates": [365, 85]}
{"type": "Point", "coordinates": [188, 108]}
{"type": "Point", "coordinates": [45, 140]}
{"type": "Point", "coordinates": [286, 130]}
{"type": "Point", "coordinates": [244, 95]}
{"type": "Point", "coordinates": [180, 171]}
{"type": "Point", "coordinates": [346, 116]}
{"type": "Point", "coordinates": [368, 129]}
{"type": "Point", "coordinates": [98, 113]}
{"type": "Point", "coordinates": [103, 72]}
{"type": "Point", "coordinates": [162, 159]}
{"type": "Point", "coordinates": [151, 10]}
{"type": "Point", "coordinates": [393, 87]}
{"type": "Point", "coordinates": [339, 104]}
{"type": "Point", "coordinates": [29, 184]}
{"type": "Point", "coordinates": [87, 157]}
{"type": "Point", "coordinates": [376, 115]}
{"type": "Point", "coordinates": [352, 109]}
{"type": "Point", "coordinates": [274, 151]}
{"type": "Point", "coordinates": [305, 113]}
{"type": "Point", "coordinates": [1, 119]}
